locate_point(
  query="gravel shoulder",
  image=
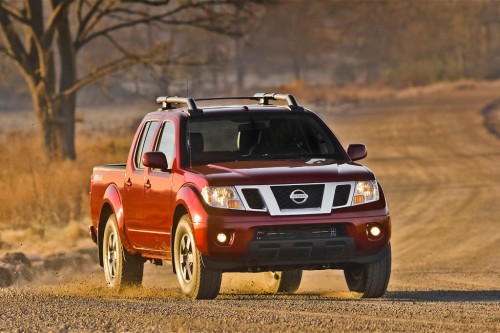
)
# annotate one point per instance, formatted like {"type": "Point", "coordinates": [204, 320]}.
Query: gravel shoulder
{"type": "Point", "coordinates": [30, 310]}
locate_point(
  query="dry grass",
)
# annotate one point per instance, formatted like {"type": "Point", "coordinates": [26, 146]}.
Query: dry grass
{"type": "Point", "coordinates": [38, 193]}
{"type": "Point", "coordinates": [355, 94]}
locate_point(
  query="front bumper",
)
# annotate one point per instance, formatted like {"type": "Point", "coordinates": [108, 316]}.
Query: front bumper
{"type": "Point", "coordinates": [245, 251]}
{"type": "Point", "coordinates": [309, 255]}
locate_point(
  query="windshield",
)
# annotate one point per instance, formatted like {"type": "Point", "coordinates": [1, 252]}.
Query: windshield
{"type": "Point", "coordinates": [259, 136]}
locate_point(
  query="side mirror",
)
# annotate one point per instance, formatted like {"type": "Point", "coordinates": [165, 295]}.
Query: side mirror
{"type": "Point", "coordinates": [356, 151]}
{"type": "Point", "coordinates": [155, 160]}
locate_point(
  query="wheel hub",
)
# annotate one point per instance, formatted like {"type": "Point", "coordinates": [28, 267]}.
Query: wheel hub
{"type": "Point", "coordinates": [186, 258]}
{"type": "Point", "coordinates": [112, 252]}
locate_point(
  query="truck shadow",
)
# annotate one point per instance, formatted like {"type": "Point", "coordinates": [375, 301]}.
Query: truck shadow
{"type": "Point", "coordinates": [445, 296]}
{"type": "Point", "coordinates": [393, 296]}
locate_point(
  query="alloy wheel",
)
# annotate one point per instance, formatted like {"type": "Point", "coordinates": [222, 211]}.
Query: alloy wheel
{"type": "Point", "coordinates": [186, 258]}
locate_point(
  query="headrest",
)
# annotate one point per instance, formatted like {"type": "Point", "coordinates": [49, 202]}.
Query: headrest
{"type": "Point", "coordinates": [197, 143]}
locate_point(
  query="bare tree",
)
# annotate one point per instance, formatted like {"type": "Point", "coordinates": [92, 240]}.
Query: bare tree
{"type": "Point", "coordinates": [44, 39]}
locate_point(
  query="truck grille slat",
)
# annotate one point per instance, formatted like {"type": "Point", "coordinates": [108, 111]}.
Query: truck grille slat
{"type": "Point", "coordinates": [314, 196]}
{"type": "Point", "coordinates": [253, 198]}
{"type": "Point", "coordinates": [341, 195]}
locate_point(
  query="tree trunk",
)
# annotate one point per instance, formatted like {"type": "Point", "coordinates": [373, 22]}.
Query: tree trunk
{"type": "Point", "coordinates": [46, 117]}
{"type": "Point", "coordinates": [56, 123]}
{"type": "Point", "coordinates": [66, 129]}
{"type": "Point", "coordinates": [66, 102]}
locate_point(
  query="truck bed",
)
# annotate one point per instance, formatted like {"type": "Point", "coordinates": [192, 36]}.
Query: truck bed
{"type": "Point", "coordinates": [102, 177]}
{"type": "Point", "coordinates": [110, 167]}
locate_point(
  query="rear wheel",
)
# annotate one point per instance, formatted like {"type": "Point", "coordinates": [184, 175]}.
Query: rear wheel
{"type": "Point", "coordinates": [283, 282]}
{"type": "Point", "coordinates": [120, 267]}
{"type": "Point", "coordinates": [370, 280]}
{"type": "Point", "coordinates": [196, 280]}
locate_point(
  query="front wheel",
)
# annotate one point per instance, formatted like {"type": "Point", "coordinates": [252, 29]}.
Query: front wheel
{"type": "Point", "coordinates": [120, 267]}
{"type": "Point", "coordinates": [283, 282]}
{"type": "Point", "coordinates": [370, 280]}
{"type": "Point", "coordinates": [196, 280]}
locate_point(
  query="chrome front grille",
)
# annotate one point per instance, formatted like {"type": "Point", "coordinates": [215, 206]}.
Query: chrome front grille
{"type": "Point", "coordinates": [312, 198]}
{"type": "Point", "coordinates": [296, 199]}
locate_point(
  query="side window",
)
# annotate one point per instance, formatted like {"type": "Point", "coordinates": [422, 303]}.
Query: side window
{"type": "Point", "coordinates": [145, 141]}
{"type": "Point", "coordinates": [167, 142]}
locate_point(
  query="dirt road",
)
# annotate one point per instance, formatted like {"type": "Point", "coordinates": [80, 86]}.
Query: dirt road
{"type": "Point", "coordinates": [440, 169]}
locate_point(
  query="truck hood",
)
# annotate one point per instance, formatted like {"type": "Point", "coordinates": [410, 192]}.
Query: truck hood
{"type": "Point", "coordinates": [282, 172]}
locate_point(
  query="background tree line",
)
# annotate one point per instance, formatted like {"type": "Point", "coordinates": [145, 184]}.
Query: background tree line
{"type": "Point", "coordinates": [108, 49]}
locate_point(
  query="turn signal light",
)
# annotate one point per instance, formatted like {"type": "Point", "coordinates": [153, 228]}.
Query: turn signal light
{"type": "Point", "coordinates": [234, 204]}
{"type": "Point", "coordinates": [359, 199]}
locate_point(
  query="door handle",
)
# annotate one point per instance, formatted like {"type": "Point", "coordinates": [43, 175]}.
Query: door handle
{"type": "Point", "coordinates": [147, 184]}
{"type": "Point", "coordinates": [128, 183]}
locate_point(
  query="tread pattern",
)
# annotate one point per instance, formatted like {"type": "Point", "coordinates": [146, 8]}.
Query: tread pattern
{"type": "Point", "coordinates": [133, 269]}
{"type": "Point", "coordinates": [285, 281]}
{"type": "Point", "coordinates": [377, 276]}
{"type": "Point", "coordinates": [207, 282]}
{"type": "Point", "coordinates": [130, 268]}
{"type": "Point", "coordinates": [372, 279]}
{"type": "Point", "coordinates": [290, 281]}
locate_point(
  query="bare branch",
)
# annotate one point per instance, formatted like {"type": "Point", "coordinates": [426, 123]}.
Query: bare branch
{"type": "Point", "coordinates": [99, 73]}
{"type": "Point", "coordinates": [121, 49]}
{"type": "Point", "coordinates": [128, 59]}
{"type": "Point", "coordinates": [153, 3]}
{"type": "Point", "coordinates": [85, 37]}
{"type": "Point", "coordinates": [79, 11]}
{"type": "Point", "coordinates": [13, 12]}
{"type": "Point", "coordinates": [83, 23]}
{"type": "Point", "coordinates": [4, 50]}
{"type": "Point", "coordinates": [57, 12]}
{"type": "Point", "coordinates": [13, 43]}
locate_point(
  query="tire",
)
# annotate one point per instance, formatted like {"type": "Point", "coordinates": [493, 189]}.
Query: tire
{"type": "Point", "coordinates": [120, 268]}
{"type": "Point", "coordinates": [370, 280]}
{"type": "Point", "coordinates": [196, 280]}
{"type": "Point", "coordinates": [283, 282]}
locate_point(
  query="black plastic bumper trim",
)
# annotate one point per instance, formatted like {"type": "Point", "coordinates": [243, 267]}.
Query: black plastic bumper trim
{"type": "Point", "coordinates": [306, 254]}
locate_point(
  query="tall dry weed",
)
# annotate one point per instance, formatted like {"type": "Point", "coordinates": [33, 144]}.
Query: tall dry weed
{"type": "Point", "coordinates": [38, 192]}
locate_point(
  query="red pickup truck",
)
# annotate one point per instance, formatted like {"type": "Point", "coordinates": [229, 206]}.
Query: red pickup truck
{"type": "Point", "coordinates": [259, 186]}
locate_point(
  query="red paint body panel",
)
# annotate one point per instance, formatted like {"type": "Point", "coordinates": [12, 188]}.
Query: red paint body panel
{"type": "Point", "coordinates": [188, 198]}
{"type": "Point", "coordinates": [145, 200]}
{"type": "Point", "coordinates": [281, 172]}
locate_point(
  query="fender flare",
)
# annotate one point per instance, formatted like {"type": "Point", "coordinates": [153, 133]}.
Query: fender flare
{"type": "Point", "coordinates": [112, 204]}
{"type": "Point", "coordinates": [189, 200]}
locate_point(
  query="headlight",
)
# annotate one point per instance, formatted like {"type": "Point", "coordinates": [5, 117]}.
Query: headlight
{"type": "Point", "coordinates": [222, 197]}
{"type": "Point", "coordinates": [366, 191]}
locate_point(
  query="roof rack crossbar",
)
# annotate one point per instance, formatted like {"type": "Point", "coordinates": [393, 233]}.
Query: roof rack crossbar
{"type": "Point", "coordinates": [289, 99]}
{"type": "Point", "coordinates": [168, 102]}
{"type": "Point", "coordinates": [263, 98]}
{"type": "Point", "coordinates": [251, 98]}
